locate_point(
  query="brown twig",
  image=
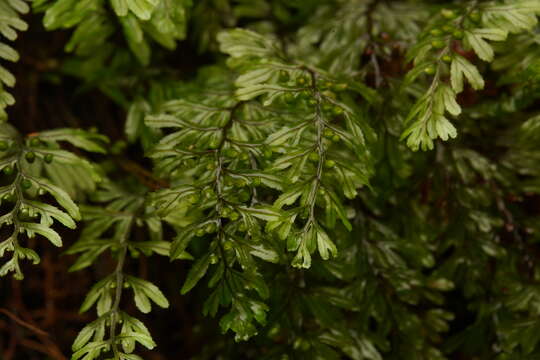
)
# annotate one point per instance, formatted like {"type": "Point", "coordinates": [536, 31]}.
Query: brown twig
{"type": "Point", "coordinates": [145, 177]}
{"type": "Point", "coordinates": [23, 323]}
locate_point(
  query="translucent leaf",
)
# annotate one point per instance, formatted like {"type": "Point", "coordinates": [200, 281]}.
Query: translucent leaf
{"type": "Point", "coordinates": [475, 38]}
{"type": "Point", "coordinates": [181, 242]}
{"type": "Point", "coordinates": [43, 231]}
{"type": "Point", "coordinates": [325, 246]}
{"type": "Point", "coordinates": [241, 42]}
{"type": "Point", "coordinates": [266, 213]}
{"type": "Point", "coordinates": [90, 351]}
{"type": "Point", "coordinates": [79, 138]}
{"type": "Point", "coordinates": [461, 66]}
{"type": "Point", "coordinates": [265, 253]}
{"type": "Point", "coordinates": [53, 212]}
{"type": "Point", "coordinates": [61, 197]}
{"type": "Point", "coordinates": [197, 271]}
{"type": "Point", "coordinates": [120, 7]}
{"type": "Point", "coordinates": [449, 99]}
{"type": "Point", "coordinates": [135, 38]}
{"type": "Point", "coordinates": [91, 251]}
{"type": "Point", "coordinates": [8, 53]}
{"type": "Point", "coordinates": [144, 289]}
{"type": "Point", "coordinates": [97, 291]}
{"type": "Point", "coordinates": [142, 8]}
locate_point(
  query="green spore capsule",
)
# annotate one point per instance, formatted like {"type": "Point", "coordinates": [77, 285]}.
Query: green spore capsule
{"type": "Point", "coordinates": [8, 170]}
{"type": "Point", "coordinates": [475, 16]}
{"type": "Point", "coordinates": [324, 85]}
{"type": "Point", "coordinates": [448, 14]}
{"type": "Point", "coordinates": [430, 70]}
{"type": "Point", "coordinates": [314, 157]}
{"type": "Point", "coordinates": [448, 28]}
{"type": "Point", "coordinates": [438, 44]}
{"type": "Point", "coordinates": [34, 142]}
{"type": "Point", "coordinates": [328, 133]}
{"type": "Point", "coordinates": [48, 158]}
{"type": "Point", "coordinates": [30, 156]}
{"type": "Point", "coordinates": [337, 110]}
{"type": "Point", "coordinates": [458, 34]}
{"type": "Point", "coordinates": [26, 184]}
{"type": "Point", "coordinates": [303, 81]}
{"type": "Point", "coordinates": [200, 232]}
{"type": "Point", "coordinates": [329, 163]}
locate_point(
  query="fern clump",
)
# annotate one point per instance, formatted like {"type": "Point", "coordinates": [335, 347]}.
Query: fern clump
{"type": "Point", "coordinates": [340, 179]}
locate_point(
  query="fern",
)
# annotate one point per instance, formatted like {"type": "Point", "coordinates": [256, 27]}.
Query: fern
{"type": "Point", "coordinates": [10, 23]}
{"type": "Point", "coordinates": [164, 21]}
{"type": "Point", "coordinates": [114, 331]}
{"type": "Point", "coordinates": [224, 136]}
{"type": "Point", "coordinates": [308, 143]}
{"type": "Point", "coordinates": [436, 54]}
{"type": "Point", "coordinates": [268, 149]}
{"type": "Point", "coordinates": [24, 161]}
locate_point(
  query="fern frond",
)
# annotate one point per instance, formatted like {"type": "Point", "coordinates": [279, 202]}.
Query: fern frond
{"type": "Point", "coordinates": [10, 24]}
{"type": "Point", "coordinates": [120, 213]}
{"type": "Point", "coordinates": [25, 163]}
{"type": "Point", "coordinates": [440, 53]}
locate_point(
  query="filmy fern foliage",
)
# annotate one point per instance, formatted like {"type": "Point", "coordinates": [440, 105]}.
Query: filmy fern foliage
{"type": "Point", "coordinates": [338, 179]}
{"type": "Point", "coordinates": [23, 164]}
{"type": "Point", "coordinates": [11, 22]}
{"type": "Point", "coordinates": [114, 330]}
{"type": "Point", "coordinates": [164, 21]}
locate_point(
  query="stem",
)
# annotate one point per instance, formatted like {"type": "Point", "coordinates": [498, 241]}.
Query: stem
{"type": "Point", "coordinates": [221, 202]}
{"type": "Point", "coordinates": [219, 173]}
{"type": "Point", "coordinates": [372, 42]}
{"type": "Point", "coordinates": [119, 281]}
{"type": "Point", "coordinates": [321, 151]}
